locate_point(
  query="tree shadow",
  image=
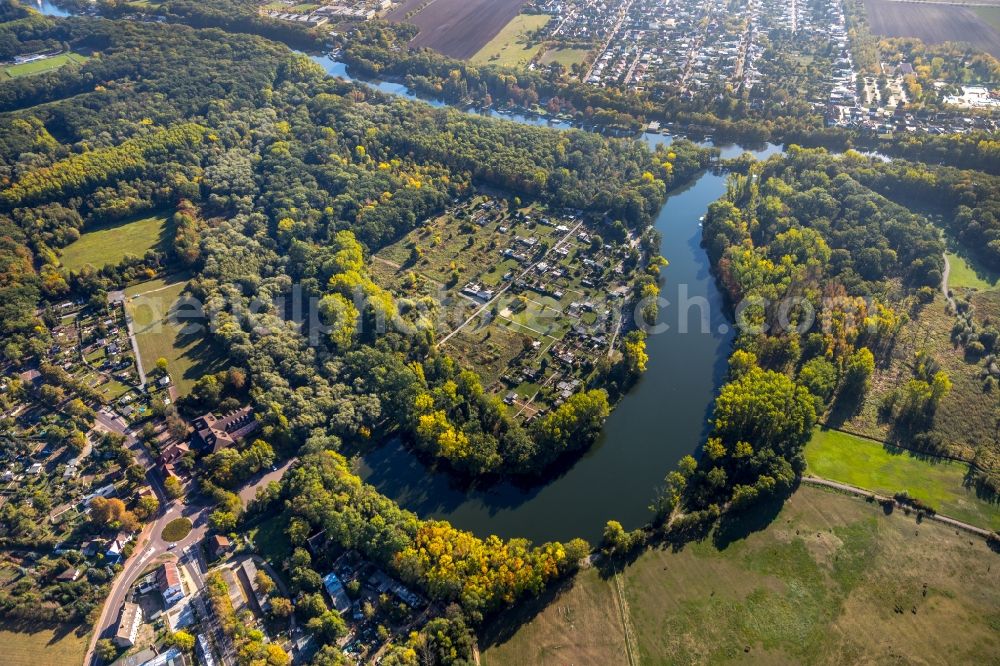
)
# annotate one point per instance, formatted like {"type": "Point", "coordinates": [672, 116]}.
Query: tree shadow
{"type": "Point", "coordinates": [503, 626]}
{"type": "Point", "coordinates": [738, 525]}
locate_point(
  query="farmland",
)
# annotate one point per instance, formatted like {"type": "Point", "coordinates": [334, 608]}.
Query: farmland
{"type": "Point", "coordinates": [512, 46]}
{"type": "Point", "coordinates": [873, 466]}
{"type": "Point", "coordinates": [42, 66]}
{"type": "Point", "coordinates": [827, 578]}
{"type": "Point", "coordinates": [457, 28]}
{"type": "Point", "coordinates": [109, 244]}
{"type": "Point", "coordinates": [932, 23]}
{"type": "Point", "coordinates": [159, 334]}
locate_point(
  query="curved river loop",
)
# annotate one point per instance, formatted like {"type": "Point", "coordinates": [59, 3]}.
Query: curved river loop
{"type": "Point", "coordinates": [661, 419]}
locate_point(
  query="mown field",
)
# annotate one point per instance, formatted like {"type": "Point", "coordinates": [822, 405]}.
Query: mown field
{"type": "Point", "coordinates": [159, 334]}
{"type": "Point", "coordinates": [565, 57]}
{"type": "Point", "coordinates": [109, 244]}
{"type": "Point", "coordinates": [966, 274]}
{"type": "Point", "coordinates": [42, 66]}
{"type": "Point", "coordinates": [827, 579]}
{"type": "Point", "coordinates": [512, 47]}
{"type": "Point", "coordinates": [873, 466]}
{"type": "Point", "coordinates": [456, 28]}
{"type": "Point", "coordinates": [46, 647]}
{"type": "Point", "coordinates": [933, 23]}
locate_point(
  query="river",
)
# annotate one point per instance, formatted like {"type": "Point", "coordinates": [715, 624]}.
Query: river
{"type": "Point", "coordinates": [663, 418]}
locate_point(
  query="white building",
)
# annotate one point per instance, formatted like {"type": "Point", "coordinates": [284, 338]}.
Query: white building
{"type": "Point", "coordinates": [128, 625]}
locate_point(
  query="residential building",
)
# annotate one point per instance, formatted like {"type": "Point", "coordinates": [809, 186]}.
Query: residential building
{"type": "Point", "coordinates": [169, 582]}
{"type": "Point", "coordinates": [338, 595]}
{"type": "Point", "coordinates": [216, 433]}
{"type": "Point", "coordinates": [128, 625]}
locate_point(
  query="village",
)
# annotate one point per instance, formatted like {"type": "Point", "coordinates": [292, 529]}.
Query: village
{"type": "Point", "coordinates": [531, 298]}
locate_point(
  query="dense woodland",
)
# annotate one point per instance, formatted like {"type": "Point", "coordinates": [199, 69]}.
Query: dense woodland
{"type": "Point", "coordinates": [282, 177]}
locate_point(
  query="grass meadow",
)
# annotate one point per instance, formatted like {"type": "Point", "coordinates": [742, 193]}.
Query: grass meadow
{"type": "Point", "coordinates": [110, 243]}
{"type": "Point", "coordinates": [510, 48]}
{"type": "Point", "coordinates": [825, 578]}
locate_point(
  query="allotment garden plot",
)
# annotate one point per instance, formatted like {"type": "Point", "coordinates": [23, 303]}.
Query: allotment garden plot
{"type": "Point", "coordinates": [530, 298]}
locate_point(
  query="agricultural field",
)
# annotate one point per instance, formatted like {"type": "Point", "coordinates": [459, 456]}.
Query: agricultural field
{"type": "Point", "coordinates": [151, 305]}
{"type": "Point", "coordinates": [990, 15]}
{"type": "Point", "coordinates": [513, 47]}
{"type": "Point", "coordinates": [42, 66]}
{"type": "Point", "coordinates": [827, 578]}
{"type": "Point", "coordinates": [456, 28]}
{"type": "Point", "coordinates": [109, 244]}
{"type": "Point", "coordinates": [871, 465]}
{"type": "Point", "coordinates": [524, 295]}
{"type": "Point", "coordinates": [45, 647]}
{"type": "Point", "coordinates": [932, 23]}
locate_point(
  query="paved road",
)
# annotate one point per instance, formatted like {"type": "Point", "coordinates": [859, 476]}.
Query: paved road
{"type": "Point", "coordinates": [150, 544]}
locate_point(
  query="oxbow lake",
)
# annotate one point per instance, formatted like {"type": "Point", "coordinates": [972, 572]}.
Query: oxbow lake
{"type": "Point", "coordinates": [663, 418]}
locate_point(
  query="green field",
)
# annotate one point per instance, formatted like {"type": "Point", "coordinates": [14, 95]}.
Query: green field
{"type": "Point", "coordinates": [867, 464]}
{"type": "Point", "coordinates": [45, 647]}
{"type": "Point", "coordinates": [44, 65]}
{"type": "Point", "coordinates": [565, 57]}
{"type": "Point", "coordinates": [189, 354]}
{"type": "Point", "coordinates": [826, 579]}
{"type": "Point", "coordinates": [965, 275]}
{"type": "Point", "coordinates": [109, 244]}
{"type": "Point", "coordinates": [510, 47]}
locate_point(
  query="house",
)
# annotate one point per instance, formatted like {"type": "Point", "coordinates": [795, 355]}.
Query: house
{"type": "Point", "coordinates": [172, 453]}
{"type": "Point", "coordinates": [338, 595]}
{"type": "Point", "coordinates": [69, 575]}
{"type": "Point", "coordinates": [113, 554]}
{"type": "Point", "coordinates": [218, 546]}
{"type": "Point", "coordinates": [216, 433]}
{"type": "Point", "coordinates": [128, 625]}
{"type": "Point", "coordinates": [169, 582]}
{"type": "Point", "coordinates": [248, 571]}
{"type": "Point", "coordinates": [35, 469]}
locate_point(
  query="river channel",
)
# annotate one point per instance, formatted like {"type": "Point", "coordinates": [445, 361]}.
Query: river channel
{"type": "Point", "coordinates": [663, 418]}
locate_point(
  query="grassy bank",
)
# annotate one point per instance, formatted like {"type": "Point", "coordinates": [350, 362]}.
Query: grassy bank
{"type": "Point", "coordinates": [45, 647]}
{"type": "Point", "coordinates": [826, 579]}
{"type": "Point", "coordinates": [870, 465]}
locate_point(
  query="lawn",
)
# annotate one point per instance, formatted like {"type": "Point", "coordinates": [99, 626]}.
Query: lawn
{"type": "Point", "coordinates": [45, 647]}
{"type": "Point", "coordinates": [159, 333]}
{"type": "Point", "coordinates": [511, 47]}
{"type": "Point", "coordinates": [565, 57]}
{"type": "Point", "coordinates": [966, 275]}
{"type": "Point", "coordinates": [867, 464]}
{"type": "Point", "coordinates": [828, 578]}
{"type": "Point", "coordinates": [43, 65]}
{"type": "Point", "coordinates": [176, 529]}
{"type": "Point", "coordinates": [109, 244]}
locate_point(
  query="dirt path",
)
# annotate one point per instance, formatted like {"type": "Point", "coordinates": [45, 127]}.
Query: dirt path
{"type": "Point", "coordinates": [861, 492]}
{"type": "Point", "coordinates": [944, 283]}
